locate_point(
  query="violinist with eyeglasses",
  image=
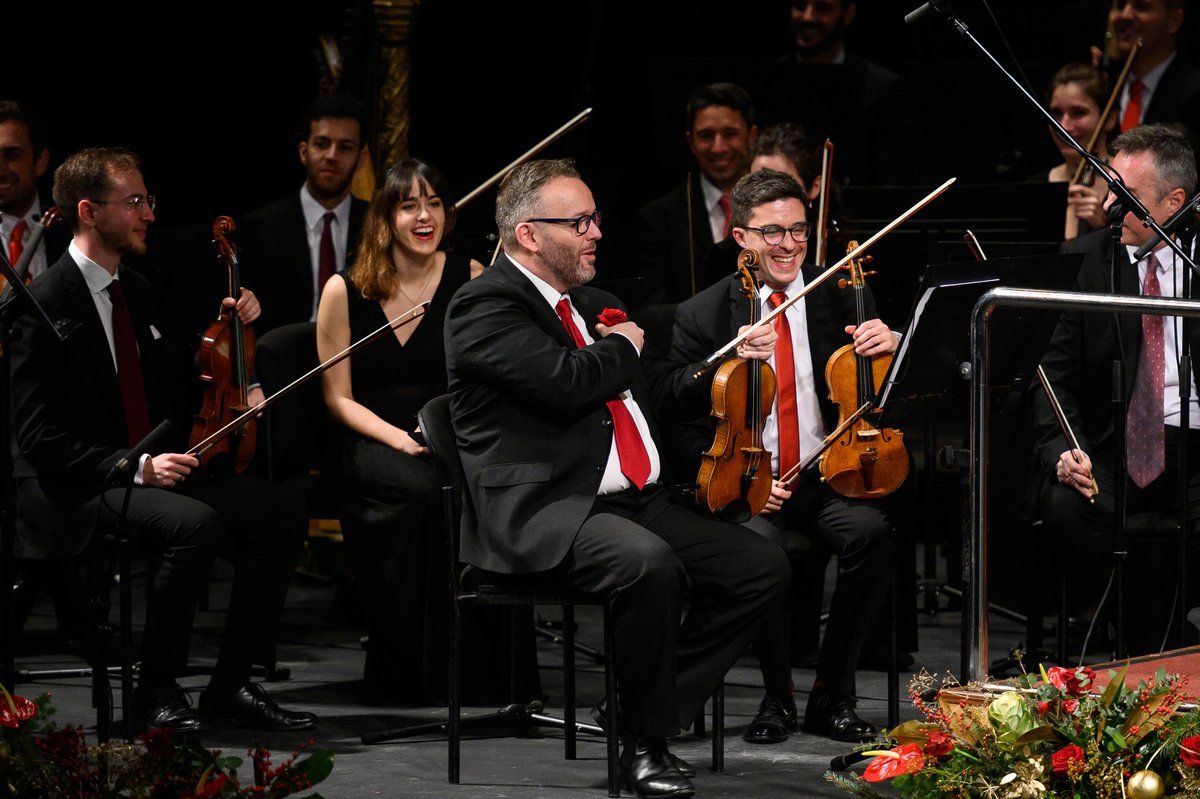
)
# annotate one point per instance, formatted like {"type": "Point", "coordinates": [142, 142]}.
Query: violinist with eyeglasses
{"type": "Point", "coordinates": [768, 217]}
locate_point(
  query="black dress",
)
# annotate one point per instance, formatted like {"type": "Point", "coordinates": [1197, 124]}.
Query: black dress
{"type": "Point", "coordinates": [391, 511]}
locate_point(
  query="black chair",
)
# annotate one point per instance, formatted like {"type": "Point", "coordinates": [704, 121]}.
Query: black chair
{"type": "Point", "coordinates": [470, 586]}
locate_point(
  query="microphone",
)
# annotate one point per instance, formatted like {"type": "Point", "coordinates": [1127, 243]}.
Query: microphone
{"type": "Point", "coordinates": [134, 455]}
{"type": "Point", "coordinates": [1176, 221]}
{"type": "Point", "coordinates": [922, 11]}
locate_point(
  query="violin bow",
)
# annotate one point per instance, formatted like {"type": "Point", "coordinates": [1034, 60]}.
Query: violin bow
{"type": "Point", "coordinates": [1103, 118]}
{"type": "Point", "coordinates": [411, 315]}
{"type": "Point", "coordinates": [532, 151]}
{"type": "Point", "coordinates": [711, 360]}
{"type": "Point", "coordinates": [823, 204]}
{"type": "Point", "coordinates": [1059, 414]}
{"type": "Point", "coordinates": [51, 216]}
{"type": "Point", "coordinates": [793, 474]}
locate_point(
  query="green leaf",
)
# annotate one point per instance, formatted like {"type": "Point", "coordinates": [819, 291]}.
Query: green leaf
{"type": "Point", "coordinates": [1115, 684]}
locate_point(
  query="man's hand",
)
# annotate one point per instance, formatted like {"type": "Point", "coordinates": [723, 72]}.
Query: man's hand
{"type": "Point", "coordinates": [248, 308]}
{"type": "Point", "coordinates": [168, 470]}
{"type": "Point", "coordinates": [759, 345]}
{"type": "Point", "coordinates": [1075, 471]}
{"type": "Point", "coordinates": [779, 495]}
{"type": "Point", "coordinates": [629, 330]}
{"type": "Point", "coordinates": [872, 337]}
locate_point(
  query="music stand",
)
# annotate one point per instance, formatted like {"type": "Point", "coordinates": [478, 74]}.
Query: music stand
{"type": "Point", "coordinates": [930, 376]}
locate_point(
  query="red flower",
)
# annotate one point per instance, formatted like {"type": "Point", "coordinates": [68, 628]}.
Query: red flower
{"type": "Point", "coordinates": [1189, 751]}
{"type": "Point", "coordinates": [1042, 707]}
{"type": "Point", "coordinates": [904, 759]}
{"type": "Point", "coordinates": [611, 316]}
{"type": "Point", "coordinates": [1073, 681]}
{"type": "Point", "coordinates": [14, 710]}
{"type": "Point", "coordinates": [939, 745]}
{"type": "Point", "coordinates": [211, 788]}
{"type": "Point", "coordinates": [1060, 761]}
{"type": "Point", "coordinates": [1069, 706]}
{"type": "Point", "coordinates": [160, 741]}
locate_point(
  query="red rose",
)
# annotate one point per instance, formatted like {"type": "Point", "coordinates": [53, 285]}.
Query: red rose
{"type": "Point", "coordinates": [903, 759]}
{"type": "Point", "coordinates": [1069, 706]}
{"type": "Point", "coordinates": [1189, 751]}
{"type": "Point", "coordinates": [611, 316]}
{"type": "Point", "coordinates": [939, 745]}
{"type": "Point", "coordinates": [1075, 682]}
{"type": "Point", "coordinates": [1060, 761]}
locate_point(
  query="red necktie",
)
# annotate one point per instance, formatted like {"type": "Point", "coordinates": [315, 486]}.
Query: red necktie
{"type": "Point", "coordinates": [635, 461]}
{"type": "Point", "coordinates": [1144, 440]}
{"type": "Point", "coordinates": [785, 381]}
{"type": "Point", "coordinates": [328, 261]}
{"type": "Point", "coordinates": [724, 203]}
{"type": "Point", "coordinates": [1133, 109]}
{"type": "Point", "coordinates": [129, 367]}
{"type": "Point", "coordinates": [16, 244]}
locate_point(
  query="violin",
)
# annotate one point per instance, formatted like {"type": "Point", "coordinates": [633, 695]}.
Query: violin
{"type": "Point", "coordinates": [866, 462]}
{"type": "Point", "coordinates": [735, 473]}
{"type": "Point", "coordinates": [226, 360]}
{"type": "Point", "coordinates": [49, 217]}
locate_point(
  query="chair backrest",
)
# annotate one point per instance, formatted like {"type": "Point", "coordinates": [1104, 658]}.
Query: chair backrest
{"type": "Point", "coordinates": [436, 426]}
{"type": "Point", "coordinates": [299, 424]}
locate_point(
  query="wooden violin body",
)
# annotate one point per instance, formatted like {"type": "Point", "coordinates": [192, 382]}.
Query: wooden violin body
{"type": "Point", "coordinates": [226, 360]}
{"type": "Point", "coordinates": [866, 462]}
{"type": "Point", "coordinates": [735, 473]}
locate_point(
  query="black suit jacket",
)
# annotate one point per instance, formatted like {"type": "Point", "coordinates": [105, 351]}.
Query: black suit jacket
{"type": "Point", "coordinates": [1177, 98]}
{"type": "Point", "coordinates": [1078, 362]}
{"type": "Point", "coordinates": [278, 264]}
{"type": "Point", "coordinates": [669, 248]}
{"type": "Point", "coordinates": [68, 421]}
{"type": "Point", "coordinates": [711, 319]}
{"type": "Point", "coordinates": [529, 411]}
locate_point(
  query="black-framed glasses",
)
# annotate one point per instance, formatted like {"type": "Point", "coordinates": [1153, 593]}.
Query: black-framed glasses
{"type": "Point", "coordinates": [134, 202]}
{"type": "Point", "coordinates": [773, 234]}
{"type": "Point", "coordinates": [581, 223]}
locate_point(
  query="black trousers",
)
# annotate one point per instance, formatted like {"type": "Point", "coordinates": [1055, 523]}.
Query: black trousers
{"type": "Point", "coordinates": [859, 533]}
{"type": "Point", "coordinates": [654, 554]}
{"type": "Point", "coordinates": [258, 525]}
{"type": "Point", "coordinates": [1087, 532]}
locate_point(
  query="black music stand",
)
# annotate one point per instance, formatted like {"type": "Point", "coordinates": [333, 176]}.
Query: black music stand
{"type": "Point", "coordinates": [929, 379]}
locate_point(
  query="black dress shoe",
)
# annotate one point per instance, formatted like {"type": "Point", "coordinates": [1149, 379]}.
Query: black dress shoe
{"type": "Point", "coordinates": [776, 718]}
{"type": "Point", "coordinates": [833, 716]}
{"type": "Point", "coordinates": [600, 716]}
{"type": "Point", "coordinates": [165, 707]}
{"type": "Point", "coordinates": [250, 706]}
{"type": "Point", "coordinates": [648, 770]}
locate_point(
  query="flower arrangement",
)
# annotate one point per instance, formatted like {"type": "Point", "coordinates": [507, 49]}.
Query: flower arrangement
{"type": "Point", "coordinates": [39, 759]}
{"type": "Point", "coordinates": [1055, 737]}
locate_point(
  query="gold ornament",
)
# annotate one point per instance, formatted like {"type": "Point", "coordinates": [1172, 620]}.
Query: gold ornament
{"type": "Point", "coordinates": [1145, 785]}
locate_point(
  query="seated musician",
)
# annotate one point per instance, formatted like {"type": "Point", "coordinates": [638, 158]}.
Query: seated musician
{"type": "Point", "coordinates": [80, 404]}
{"type": "Point", "coordinates": [390, 484]}
{"type": "Point", "coordinates": [1159, 168]}
{"type": "Point", "coordinates": [550, 408]}
{"type": "Point", "coordinates": [769, 217]}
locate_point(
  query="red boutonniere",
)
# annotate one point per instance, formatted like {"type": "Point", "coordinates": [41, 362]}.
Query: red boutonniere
{"type": "Point", "coordinates": [611, 316]}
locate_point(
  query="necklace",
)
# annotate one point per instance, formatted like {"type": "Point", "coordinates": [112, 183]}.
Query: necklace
{"type": "Point", "coordinates": [421, 293]}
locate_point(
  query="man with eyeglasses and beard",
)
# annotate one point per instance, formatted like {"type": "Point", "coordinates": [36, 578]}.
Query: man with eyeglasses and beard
{"type": "Point", "coordinates": [768, 216]}
{"type": "Point", "coordinates": [82, 403]}
{"type": "Point", "coordinates": [550, 406]}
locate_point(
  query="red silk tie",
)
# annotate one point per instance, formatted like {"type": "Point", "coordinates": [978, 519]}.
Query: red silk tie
{"type": "Point", "coordinates": [1133, 109]}
{"type": "Point", "coordinates": [16, 244]}
{"type": "Point", "coordinates": [785, 381]}
{"type": "Point", "coordinates": [129, 367]}
{"type": "Point", "coordinates": [635, 461]}
{"type": "Point", "coordinates": [724, 203]}
{"type": "Point", "coordinates": [328, 260]}
{"type": "Point", "coordinates": [1144, 439]}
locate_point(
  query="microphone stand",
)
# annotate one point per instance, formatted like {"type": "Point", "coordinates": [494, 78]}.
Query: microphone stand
{"type": "Point", "coordinates": [1124, 201]}
{"type": "Point", "coordinates": [1120, 481]}
{"type": "Point", "coordinates": [15, 294]}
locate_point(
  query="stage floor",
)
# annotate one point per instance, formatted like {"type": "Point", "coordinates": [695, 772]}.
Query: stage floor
{"type": "Point", "coordinates": [326, 659]}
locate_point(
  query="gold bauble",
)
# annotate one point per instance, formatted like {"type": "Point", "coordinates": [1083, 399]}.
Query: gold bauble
{"type": "Point", "coordinates": [1145, 785]}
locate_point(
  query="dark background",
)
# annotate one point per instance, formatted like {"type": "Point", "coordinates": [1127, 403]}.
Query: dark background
{"type": "Point", "coordinates": [211, 93]}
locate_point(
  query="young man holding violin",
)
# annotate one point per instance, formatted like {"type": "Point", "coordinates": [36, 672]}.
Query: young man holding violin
{"type": "Point", "coordinates": [768, 216]}
{"type": "Point", "coordinates": [80, 404]}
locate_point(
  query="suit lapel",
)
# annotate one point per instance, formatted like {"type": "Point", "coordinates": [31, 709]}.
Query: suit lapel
{"type": "Point", "coordinates": [78, 306]}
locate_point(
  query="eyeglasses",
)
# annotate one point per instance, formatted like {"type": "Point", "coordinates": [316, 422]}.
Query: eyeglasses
{"type": "Point", "coordinates": [581, 223]}
{"type": "Point", "coordinates": [134, 202]}
{"type": "Point", "coordinates": [773, 234]}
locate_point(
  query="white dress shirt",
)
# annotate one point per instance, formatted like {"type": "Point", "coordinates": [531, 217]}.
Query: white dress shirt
{"type": "Point", "coordinates": [314, 222]}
